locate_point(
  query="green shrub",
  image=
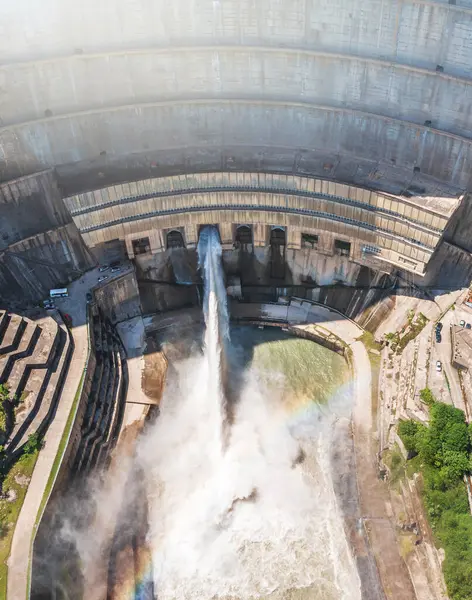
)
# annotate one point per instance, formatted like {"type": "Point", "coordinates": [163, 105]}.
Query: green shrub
{"type": "Point", "coordinates": [438, 501]}
{"type": "Point", "coordinates": [33, 444]}
{"type": "Point", "coordinates": [454, 531]}
{"type": "Point", "coordinates": [455, 465]}
{"type": "Point", "coordinates": [427, 396]}
{"type": "Point", "coordinates": [407, 430]}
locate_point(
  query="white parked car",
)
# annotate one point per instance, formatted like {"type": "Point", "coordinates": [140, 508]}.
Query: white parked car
{"type": "Point", "coordinates": [438, 366]}
{"type": "Point", "coordinates": [102, 278]}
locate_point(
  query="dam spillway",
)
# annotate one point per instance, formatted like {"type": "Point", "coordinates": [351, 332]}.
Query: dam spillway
{"type": "Point", "coordinates": [221, 522]}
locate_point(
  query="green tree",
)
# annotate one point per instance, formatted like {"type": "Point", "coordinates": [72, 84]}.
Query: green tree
{"type": "Point", "coordinates": [455, 465]}
{"type": "Point", "coordinates": [429, 446]}
{"type": "Point", "coordinates": [408, 430]}
{"type": "Point", "coordinates": [455, 533]}
{"type": "Point", "coordinates": [444, 449]}
{"type": "Point", "coordinates": [438, 500]}
{"type": "Point", "coordinates": [456, 438]}
{"type": "Point", "coordinates": [443, 415]}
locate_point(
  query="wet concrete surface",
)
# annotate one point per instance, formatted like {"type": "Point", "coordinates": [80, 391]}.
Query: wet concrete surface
{"type": "Point", "coordinates": [346, 488]}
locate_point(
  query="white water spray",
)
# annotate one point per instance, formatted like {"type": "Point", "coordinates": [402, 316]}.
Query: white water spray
{"type": "Point", "coordinates": [216, 326]}
{"type": "Point", "coordinates": [249, 521]}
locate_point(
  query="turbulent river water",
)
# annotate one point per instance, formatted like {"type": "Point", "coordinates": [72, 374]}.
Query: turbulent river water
{"type": "Point", "coordinates": [241, 499]}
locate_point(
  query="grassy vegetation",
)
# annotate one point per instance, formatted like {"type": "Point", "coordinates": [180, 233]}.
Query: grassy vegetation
{"type": "Point", "coordinates": [396, 465]}
{"type": "Point", "coordinates": [14, 480]}
{"type": "Point", "coordinates": [427, 397]}
{"type": "Point", "coordinates": [24, 395]}
{"type": "Point", "coordinates": [15, 485]}
{"type": "Point", "coordinates": [4, 398]}
{"type": "Point", "coordinates": [442, 452]}
{"type": "Point", "coordinates": [406, 545]}
{"type": "Point", "coordinates": [398, 342]}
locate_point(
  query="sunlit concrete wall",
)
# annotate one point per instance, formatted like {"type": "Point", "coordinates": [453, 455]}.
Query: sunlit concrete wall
{"type": "Point", "coordinates": [365, 90]}
{"type": "Point", "coordinates": [410, 32]}
{"type": "Point", "coordinates": [60, 86]}
{"type": "Point", "coordinates": [275, 136]}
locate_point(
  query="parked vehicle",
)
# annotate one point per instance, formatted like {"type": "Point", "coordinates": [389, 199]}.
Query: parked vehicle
{"type": "Point", "coordinates": [438, 366]}
{"type": "Point", "coordinates": [103, 268]}
{"type": "Point", "coordinates": [102, 278]}
{"type": "Point", "coordinates": [468, 326]}
{"type": "Point", "coordinates": [439, 326]}
{"type": "Point", "coordinates": [116, 269]}
{"type": "Point", "coordinates": [438, 337]}
{"type": "Point", "coordinates": [59, 293]}
{"type": "Point", "coordinates": [462, 323]}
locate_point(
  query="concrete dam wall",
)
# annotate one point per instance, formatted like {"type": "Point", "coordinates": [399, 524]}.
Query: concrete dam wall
{"type": "Point", "coordinates": [375, 94]}
{"type": "Point", "coordinates": [356, 80]}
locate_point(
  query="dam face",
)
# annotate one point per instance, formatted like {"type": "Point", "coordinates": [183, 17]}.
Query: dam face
{"type": "Point", "coordinates": [327, 144]}
{"type": "Point", "coordinates": [345, 126]}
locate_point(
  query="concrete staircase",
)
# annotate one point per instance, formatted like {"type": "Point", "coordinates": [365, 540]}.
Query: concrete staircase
{"type": "Point", "coordinates": [34, 356]}
{"type": "Point", "coordinates": [102, 418]}
{"type": "Point", "coordinates": [12, 333]}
